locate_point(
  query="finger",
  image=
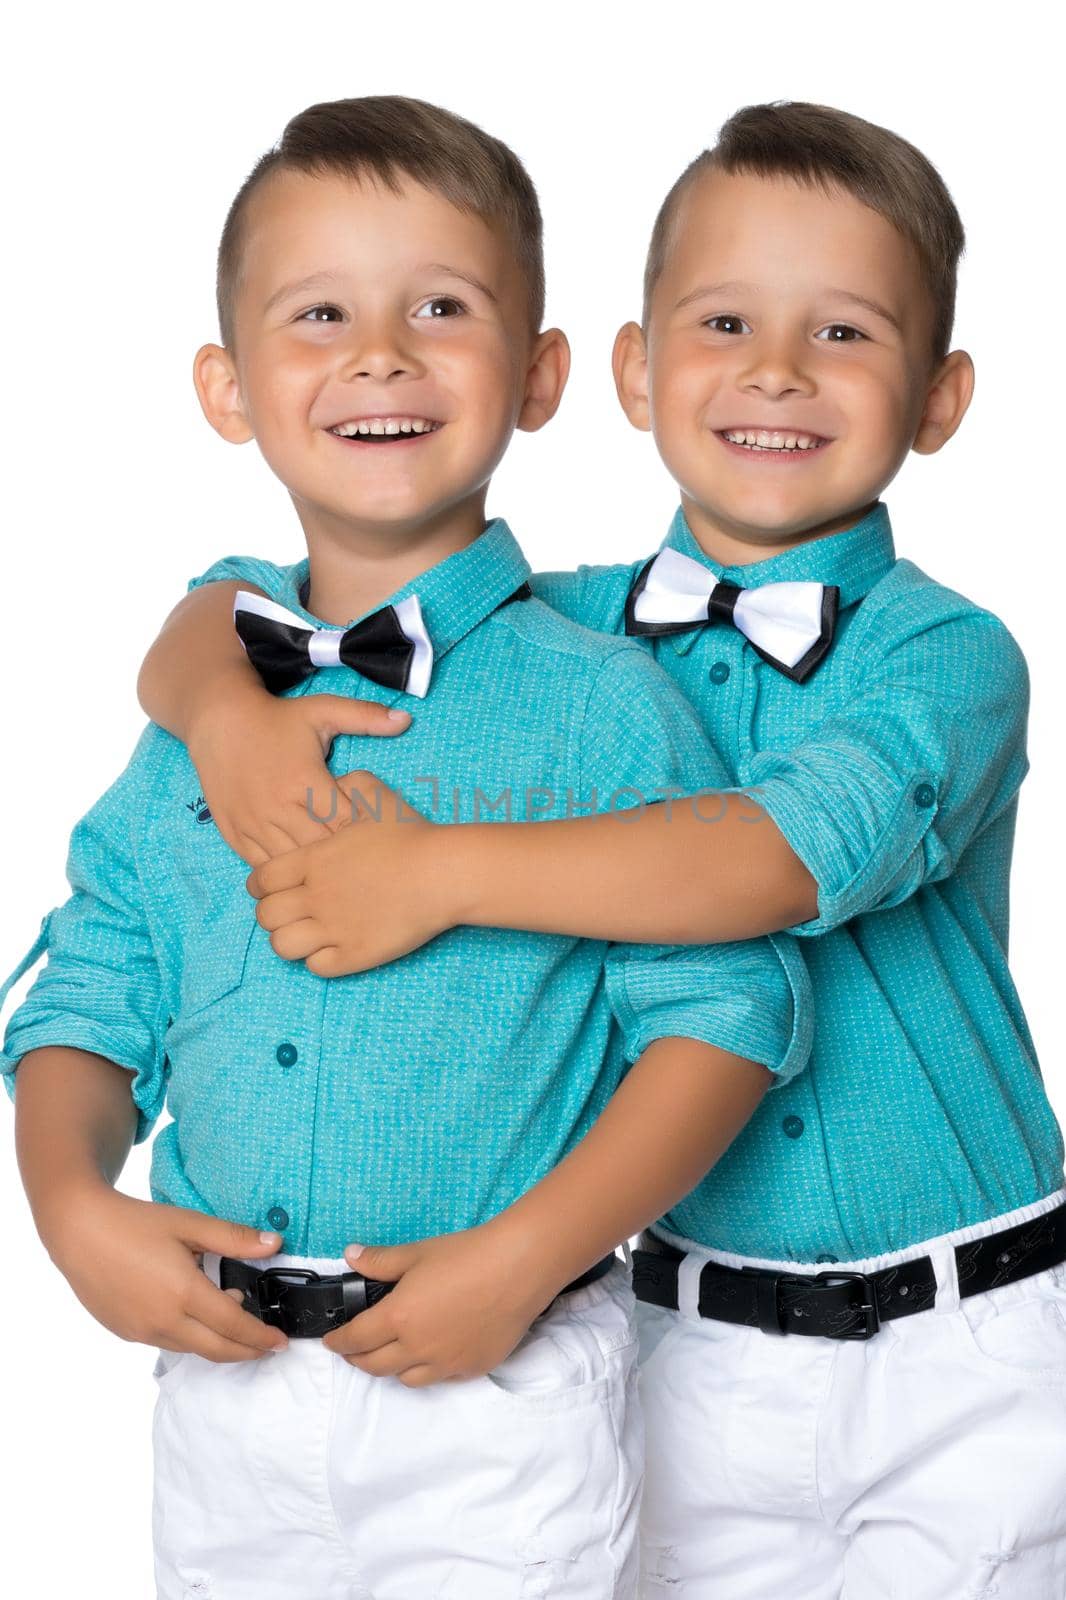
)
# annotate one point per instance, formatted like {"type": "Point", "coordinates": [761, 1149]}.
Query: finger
{"type": "Point", "coordinates": [203, 1232]}
{"type": "Point", "coordinates": [282, 907]}
{"type": "Point", "coordinates": [324, 811]}
{"type": "Point", "coordinates": [328, 962]}
{"type": "Point", "coordinates": [332, 714]}
{"type": "Point", "coordinates": [421, 1376]}
{"type": "Point", "coordinates": [282, 872]}
{"type": "Point", "coordinates": [366, 1331]}
{"type": "Point", "coordinates": [388, 1362]}
{"type": "Point", "coordinates": [278, 834]}
{"type": "Point", "coordinates": [220, 1311]}
{"type": "Point", "coordinates": [203, 1341]}
{"type": "Point", "coordinates": [249, 849]}
{"type": "Point", "coordinates": [368, 798]}
{"type": "Point", "coordinates": [298, 940]}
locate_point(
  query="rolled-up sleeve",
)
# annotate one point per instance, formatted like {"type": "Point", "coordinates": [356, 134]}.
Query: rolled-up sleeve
{"type": "Point", "coordinates": [100, 988]}
{"type": "Point", "coordinates": [886, 794]}
{"type": "Point", "coordinates": [752, 997]}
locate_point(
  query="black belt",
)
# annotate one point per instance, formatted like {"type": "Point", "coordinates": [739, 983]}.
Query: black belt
{"type": "Point", "coordinates": [306, 1304]}
{"type": "Point", "coordinates": [846, 1305]}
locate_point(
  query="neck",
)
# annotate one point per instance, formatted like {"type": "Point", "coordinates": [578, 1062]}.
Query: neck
{"type": "Point", "coordinates": [355, 567]}
{"type": "Point", "coordinates": [733, 545]}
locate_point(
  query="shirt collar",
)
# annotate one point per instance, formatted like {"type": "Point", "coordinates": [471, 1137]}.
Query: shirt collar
{"type": "Point", "coordinates": [853, 560]}
{"type": "Point", "coordinates": [455, 595]}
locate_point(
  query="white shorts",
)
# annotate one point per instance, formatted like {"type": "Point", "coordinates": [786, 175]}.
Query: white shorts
{"type": "Point", "coordinates": [298, 1477]}
{"type": "Point", "coordinates": [926, 1463]}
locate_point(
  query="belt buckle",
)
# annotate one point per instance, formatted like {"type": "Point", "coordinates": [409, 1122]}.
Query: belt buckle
{"type": "Point", "coordinates": [270, 1290]}
{"type": "Point", "coordinates": [871, 1315]}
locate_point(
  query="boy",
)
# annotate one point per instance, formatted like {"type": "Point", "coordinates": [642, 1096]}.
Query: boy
{"type": "Point", "coordinates": [380, 297]}
{"type": "Point", "coordinates": [854, 1332]}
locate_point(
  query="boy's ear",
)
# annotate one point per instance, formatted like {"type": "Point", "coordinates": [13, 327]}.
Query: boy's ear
{"type": "Point", "coordinates": [946, 402]}
{"type": "Point", "coordinates": [219, 393]}
{"type": "Point", "coordinates": [629, 363]}
{"type": "Point", "coordinates": [549, 368]}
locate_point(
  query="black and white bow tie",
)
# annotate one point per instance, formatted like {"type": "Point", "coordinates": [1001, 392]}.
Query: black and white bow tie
{"type": "Point", "coordinates": [789, 624]}
{"type": "Point", "coordinates": [391, 646]}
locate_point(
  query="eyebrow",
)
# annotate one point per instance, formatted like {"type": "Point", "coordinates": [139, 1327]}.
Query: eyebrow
{"type": "Point", "coordinates": [314, 281]}
{"type": "Point", "coordinates": [464, 277]}
{"type": "Point", "coordinates": [324, 279]}
{"type": "Point", "coordinates": [873, 306]}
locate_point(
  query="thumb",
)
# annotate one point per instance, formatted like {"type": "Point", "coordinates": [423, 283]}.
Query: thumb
{"type": "Point", "coordinates": [231, 1238]}
{"type": "Point", "coordinates": [384, 1262]}
{"type": "Point", "coordinates": [335, 713]}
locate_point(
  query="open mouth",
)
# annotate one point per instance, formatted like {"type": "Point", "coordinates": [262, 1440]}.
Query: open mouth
{"type": "Point", "coordinates": [772, 441]}
{"type": "Point", "coordinates": [385, 430]}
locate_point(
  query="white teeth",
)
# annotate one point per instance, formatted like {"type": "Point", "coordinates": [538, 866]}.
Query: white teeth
{"type": "Point", "coordinates": [384, 425]}
{"type": "Point", "coordinates": [763, 439]}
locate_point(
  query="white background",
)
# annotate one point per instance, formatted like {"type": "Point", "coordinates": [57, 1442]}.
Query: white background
{"type": "Point", "coordinates": [125, 133]}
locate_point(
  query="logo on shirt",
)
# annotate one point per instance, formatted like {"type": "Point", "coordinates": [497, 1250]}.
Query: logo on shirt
{"type": "Point", "coordinates": [199, 809]}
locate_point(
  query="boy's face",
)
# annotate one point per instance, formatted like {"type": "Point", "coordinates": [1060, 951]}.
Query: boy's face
{"type": "Point", "coordinates": [796, 319]}
{"type": "Point", "coordinates": [396, 312]}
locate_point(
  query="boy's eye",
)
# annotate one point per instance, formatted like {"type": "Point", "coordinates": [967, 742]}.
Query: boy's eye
{"type": "Point", "coordinates": [839, 333]}
{"type": "Point", "coordinates": [324, 313]}
{"type": "Point", "coordinates": [726, 322]}
{"type": "Point", "coordinates": [442, 305]}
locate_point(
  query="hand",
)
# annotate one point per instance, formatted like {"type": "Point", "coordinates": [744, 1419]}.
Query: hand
{"type": "Point", "coordinates": [459, 1307]}
{"type": "Point", "coordinates": [362, 897]}
{"type": "Point", "coordinates": [133, 1265]}
{"type": "Point", "coordinates": [262, 764]}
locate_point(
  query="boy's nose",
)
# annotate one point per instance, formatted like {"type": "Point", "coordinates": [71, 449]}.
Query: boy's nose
{"type": "Point", "coordinates": [776, 370]}
{"type": "Point", "coordinates": [377, 353]}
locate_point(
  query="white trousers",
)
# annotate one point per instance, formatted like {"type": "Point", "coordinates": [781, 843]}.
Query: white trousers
{"type": "Point", "coordinates": [298, 1477]}
{"type": "Point", "coordinates": [927, 1463]}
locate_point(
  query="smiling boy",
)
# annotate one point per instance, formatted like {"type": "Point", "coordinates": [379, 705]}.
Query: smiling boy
{"type": "Point", "coordinates": [854, 1331]}
{"type": "Point", "coordinates": [380, 299]}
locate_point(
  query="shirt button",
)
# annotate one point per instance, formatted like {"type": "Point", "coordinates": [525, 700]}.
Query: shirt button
{"type": "Point", "coordinates": [278, 1218]}
{"type": "Point", "coordinates": [719, 672]}
{"type": "Point", "coordinates": [793, 1126]}
{"type": "Point", "coordinates": [286, 1054]}
{"type": "Point", "coordinates": [925, 796]}
{"type": "Point", "coordinates": [826, 1258]}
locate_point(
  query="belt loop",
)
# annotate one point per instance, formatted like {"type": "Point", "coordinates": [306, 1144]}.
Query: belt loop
{"type": "Point", "coordinates": [689, 1273]}
{"type": "Point", "coordinates": [947, 1279]}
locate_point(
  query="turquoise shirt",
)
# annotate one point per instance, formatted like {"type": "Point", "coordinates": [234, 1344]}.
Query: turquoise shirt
{"type": "Point", "coordinates": [427, 1095]}
{"type": "Point", "coordinates": [893, 773]}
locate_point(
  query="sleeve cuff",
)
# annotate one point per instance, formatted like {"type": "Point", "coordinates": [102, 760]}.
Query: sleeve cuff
{"type": "Point", "coordinates": [147, 1087]}
{"type": "Point", "coordinates": [853, 880]}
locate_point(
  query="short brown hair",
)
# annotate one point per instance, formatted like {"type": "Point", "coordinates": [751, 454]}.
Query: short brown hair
{"type": "Point", "coordinates": [820, 145]}
{"type": "Point", "coordinates": [385, 137]}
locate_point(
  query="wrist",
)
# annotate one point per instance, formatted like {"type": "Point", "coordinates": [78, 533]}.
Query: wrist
{"type": "Point", "coordinates": [226, 697]}
{"type": "Point", "coordinates": [461, 860]}
{"type": "Point", "coordinates": [61, 1217]}
{"type": "Point", "coordinates": [542, 1258]}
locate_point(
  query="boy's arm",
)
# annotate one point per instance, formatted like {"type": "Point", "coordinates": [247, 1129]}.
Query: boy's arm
{"type": "Point", "coordinates": [707, 1030]}
{"type": "Point", "coordinates": [881, 798]}
{"type": "Point", "coordinates": [83, 1058]}
{"type": "Point", "coordinates": [260, 758]}
{"type": "Point", "coordinates": [464, 1300]}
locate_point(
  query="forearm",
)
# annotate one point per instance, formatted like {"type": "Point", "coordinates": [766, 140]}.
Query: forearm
{"type": "Point", "coordinates": [684, 873]}
{"type": "Point", "coordinates": [674, 1114]}
{"type": "Point", "coordinates": [199, 630]}
{"type": "Point", "coordinates": [74, 1125]}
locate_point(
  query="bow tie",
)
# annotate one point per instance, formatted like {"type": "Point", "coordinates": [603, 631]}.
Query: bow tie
{"type": "Point", "coordinates": [391, 646]}
{"type": "Point", "coordinates": [789, 624]}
